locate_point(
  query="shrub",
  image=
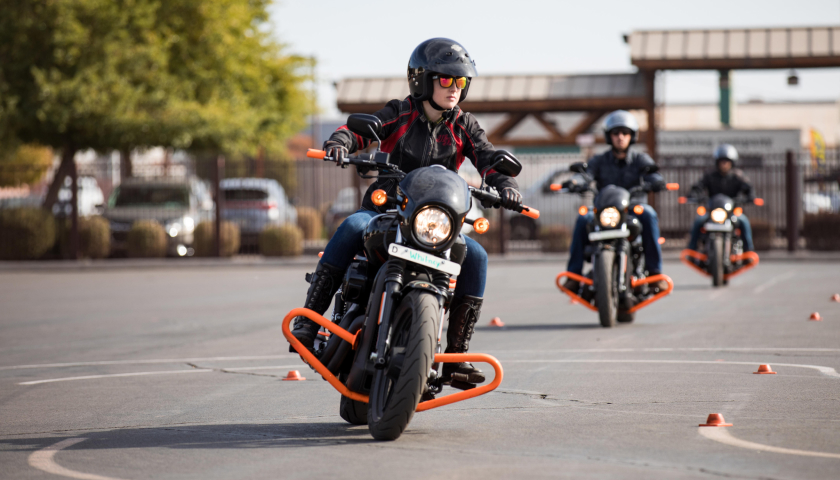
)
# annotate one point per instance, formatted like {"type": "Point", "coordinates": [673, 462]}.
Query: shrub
{"type": "Point", "coordinates": [204, 239]}
{"type": "Point", "coordinates": [26, 233]}
{"type": "Point", "coordinates": [283, 241]}
{"type": "Point", "coordinates": [822, 231]}
{"type": "Point", "coordinates": [146, 239]}
{"type": "Point", "coordinates": [94, 237]}
{"type": "Point", "coordinates": [763, 233]}
{"type": "Point", "coordinates": [309, 220]}
{"type": "Point", "coordinates": [555, 238]}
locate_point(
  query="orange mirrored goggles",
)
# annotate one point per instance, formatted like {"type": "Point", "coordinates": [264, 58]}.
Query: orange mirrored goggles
{"type": "Point", "coordinates": [446, 81]}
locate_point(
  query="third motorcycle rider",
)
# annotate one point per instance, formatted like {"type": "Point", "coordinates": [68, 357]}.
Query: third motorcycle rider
{"type": "Point", "coordinates": [625, 168]}
{"type": "Point", "coordinates": [426, 128]}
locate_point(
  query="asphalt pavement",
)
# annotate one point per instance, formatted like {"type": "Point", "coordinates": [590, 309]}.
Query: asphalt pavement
{"type": "Point", "coordinates": [175, 372]}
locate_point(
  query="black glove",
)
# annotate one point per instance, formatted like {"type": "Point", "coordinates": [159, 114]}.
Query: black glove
{"type": "Point", "coordinates": [337, 152]}
{"type": "Point", "coordinates": [511, 198]}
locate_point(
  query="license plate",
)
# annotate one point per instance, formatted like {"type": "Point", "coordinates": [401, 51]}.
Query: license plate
{"type": "Point", "coordinates": [608, 234]}
{"type": "Point", "coordinates": [424, 259]}
{"type": "Point", "coordinates": [716, 227]}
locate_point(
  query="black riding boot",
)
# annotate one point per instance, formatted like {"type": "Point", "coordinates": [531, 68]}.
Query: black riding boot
{"type": "Point", "coordinates": [323, 284]}
{"type": "Point", "coordinates": [463, 315]}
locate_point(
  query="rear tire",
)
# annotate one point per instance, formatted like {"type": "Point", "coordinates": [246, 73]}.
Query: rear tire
{"type": "Point", "coordinates": [393, 401]}
{"type": "Point", "coordinates": [606, 289]}
{"type": "Point", "coordinates": [624, 317]}
{"type": "Point", "coordinates": [716, 261]}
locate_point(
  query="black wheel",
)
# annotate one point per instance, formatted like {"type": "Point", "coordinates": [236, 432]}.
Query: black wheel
{"type": "Point", "coordinates": [606, 287]}
{"type": "Point", "coordinates": [716, 261]}
{"type": "Point", "coordinates": [352, 411]}
{"type": "Point", "coordinates": [397, 388]}
{"type": "Point", "coordinates": [624, 317]}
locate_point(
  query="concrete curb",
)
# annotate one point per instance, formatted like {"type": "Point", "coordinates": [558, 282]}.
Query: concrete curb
{"type": "Point", "coordinates": [309, 261]}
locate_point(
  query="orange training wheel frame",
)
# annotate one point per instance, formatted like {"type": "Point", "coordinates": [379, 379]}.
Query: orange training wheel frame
{"type": "Point", "coordinates": [319, 367]}
{"type": "Point", "coordinates": [751, 256]}
{"type": "Point", "coordinates": [576, 297]}
{"type": "Point", "coordinates": [655, 278]}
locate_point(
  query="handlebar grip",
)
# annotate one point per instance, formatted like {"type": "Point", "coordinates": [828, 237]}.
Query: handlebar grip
{"type": "Point", "coordinates": [313, 153]}
{"type": "Point", "coordinates": [555, 187]}
{"type": "Point", "coordinates": [672, 186]}
{"type": "Point", "coordinates": [758, 202]}
{"type": "Point", "coordinates": [530, 212]}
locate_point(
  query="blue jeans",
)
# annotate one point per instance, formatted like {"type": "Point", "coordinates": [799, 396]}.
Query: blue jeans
{"type": "Point", "coordinates": [744, 225]}
{"type": "Point", "coordinates": [348, 241]}
{"type": "Point", "coordinates": [650, 241]}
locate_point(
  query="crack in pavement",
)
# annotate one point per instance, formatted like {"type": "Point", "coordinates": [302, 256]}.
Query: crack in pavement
{"type": "Point", "coordinates": [222, 370]}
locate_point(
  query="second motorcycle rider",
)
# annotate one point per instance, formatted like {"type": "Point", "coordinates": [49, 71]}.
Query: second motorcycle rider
{"type": "Point", "coordinates": [426, 128]}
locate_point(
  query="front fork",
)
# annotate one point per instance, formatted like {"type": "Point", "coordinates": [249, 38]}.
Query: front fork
{"type": "Point", "coordinates": [390, 294]}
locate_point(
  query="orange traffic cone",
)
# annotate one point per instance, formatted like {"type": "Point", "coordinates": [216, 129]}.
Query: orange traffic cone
{"type": "Point", "coordinates": [293, 375]}
{"type": "Point", "coordinates": [816, 317]}
{"type": "Point", "coordinates": [497, 322]}
{"type": "Point", "coordinates": [715, 420]}
{"type": "Point", "coordinates": [764, 370]}
{"type": "Point", "coordinates": [835, 297]}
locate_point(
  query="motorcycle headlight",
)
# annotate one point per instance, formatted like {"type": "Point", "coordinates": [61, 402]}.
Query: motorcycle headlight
{"type": "Point", "coordinates": [432, 226]}
{"type": "Point", "coordinates": [718, 215]}
{"type": "Point", "coordinates": [609, 217]}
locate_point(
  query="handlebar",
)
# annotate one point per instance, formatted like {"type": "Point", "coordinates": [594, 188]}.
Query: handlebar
{"type": "Point", "coordinates": [493, 198]}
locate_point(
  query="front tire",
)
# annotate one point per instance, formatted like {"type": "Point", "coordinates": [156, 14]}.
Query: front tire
{"type": "Point", "coordinates": [606, 288]}
{"type": "Point", "coordinates": [352, 411]}
{"type": "Point", "coordinates": [716, 261]}
{"type": "Point", "coordinates": [396, 392]}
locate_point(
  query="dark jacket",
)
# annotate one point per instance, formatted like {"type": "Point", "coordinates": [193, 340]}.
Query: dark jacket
{"type": "Point", "coordinates": [413, 142]}
{"type": "Point", "coordinates": [605, 169]}
{"type": "Point", "coordinates": [732, 184]}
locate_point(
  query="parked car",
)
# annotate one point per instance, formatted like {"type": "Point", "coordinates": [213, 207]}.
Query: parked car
{"type": "Point", "coordinates": [177, 204]}
{"type": "Point", "coordinates": [554, 209]}
{"type": "Point", "coordinates": [90, 197]}
{"type": "Point", "coordinates": [254, 204]}
{"type": "Point", "coordinates": [346, 203]}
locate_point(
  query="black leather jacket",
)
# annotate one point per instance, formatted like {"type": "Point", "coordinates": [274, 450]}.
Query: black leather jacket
{"type": "Point", "coordinates": [605, 169]}
{"type": "Point", "coordinates": [413, 142]}
{"type": "Point", "coordinates": [733, 184]}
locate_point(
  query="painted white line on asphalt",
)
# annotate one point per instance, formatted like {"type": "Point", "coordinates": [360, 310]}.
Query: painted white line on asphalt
{"type": "Point", "coordinates": [43, 460]}
{"type": "Point", "coordinates": [778, 278]}
{"type": "Point", "coordinates": [677, 349]}
{"type": "Point", "coordinates": [269, 367]}
{"type": "Point", "coordinates": [134, 374]}
{"type": "Point", "coordinates": [149, 361]}
{"type": "Point", "coordinates": [722, 435]}
{"type": "Point", "coordinates": [828, 371]}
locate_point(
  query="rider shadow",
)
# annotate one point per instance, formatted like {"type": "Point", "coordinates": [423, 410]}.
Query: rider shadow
{"type": "Point", "coordinates": [210, 437]}
{"type": "Point", "coordinates": [542, 326]}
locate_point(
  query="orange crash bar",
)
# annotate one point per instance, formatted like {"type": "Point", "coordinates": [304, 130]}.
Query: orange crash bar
{"type": "Point", "coordinates": [658, 296]}
{"type": "Point", "coordinates": [309, 358]}
{"type": "Point", "coordinates": [576, 297]}
{"type": "Point", "coordinates": [465, 394]}
{"type": "Point", "coordinates": [744, 256]}
{"type": "Point", "coordinates": [694, 254]}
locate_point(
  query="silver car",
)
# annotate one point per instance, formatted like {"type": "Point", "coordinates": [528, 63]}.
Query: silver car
{"type": "Point", "coordinates": [177, 204]}
{"type": "Point", "coordinates": [254, 204]}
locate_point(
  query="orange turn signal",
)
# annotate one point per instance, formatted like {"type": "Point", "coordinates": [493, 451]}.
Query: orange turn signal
{"type": "Point", "coordinates": [701, 210]}
{"type": "Point", "coordinates": [639, 209]}
{"type": "Point", "coordinates": [555, 187]}
{"type": "Point", "coordinates": [672, 186]}
{"type": "Point", "coordinates": [682, 200]}
{"type": "Point", "coordinates": [583, 210]}
{"type": "Point", "coordinates": [379, 197]}
{"type": "Point", "coordinates": [481, 225]}
{"type": "Point", "coordinates": [738, 211]}
{"type": "Point", "coordinates": [759, 202]}
{"type": "Point", "coordinates": [662, 240]}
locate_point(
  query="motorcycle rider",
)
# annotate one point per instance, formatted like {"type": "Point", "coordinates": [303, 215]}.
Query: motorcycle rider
{"type": "Point", "coordinates": [726, 180]}
{"type": "Point", "coordinates": [426, 128]}
{"type": "Point", "coordinates": [625, 168]}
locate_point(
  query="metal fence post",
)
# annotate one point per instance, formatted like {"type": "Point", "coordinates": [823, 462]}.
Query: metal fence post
{"type": "Point", "coordinates": [792, 200]}
{"type": "Point", "coordinates": [217, 225]}
{"type": "Point", "coordinates": [74, 210]}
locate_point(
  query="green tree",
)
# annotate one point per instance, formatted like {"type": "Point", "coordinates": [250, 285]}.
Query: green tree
{"type": "Point", "coordinates": [203, 75]}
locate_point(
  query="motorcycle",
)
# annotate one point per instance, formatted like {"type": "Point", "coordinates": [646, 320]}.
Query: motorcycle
{"type": "Point", "coordinates": [617, 285]}
{"type": "Point", "coordinates": [721, 246]}
{"type": "Point", "coordinates": [382, 347]}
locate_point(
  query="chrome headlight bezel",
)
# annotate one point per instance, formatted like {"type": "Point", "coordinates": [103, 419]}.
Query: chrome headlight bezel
{"type": "Point", "coordinates": [718, 215]}
{"type": "Point", "coordinates": [609, 217]}
{"type": "Point", "coordinates": [423, 235]}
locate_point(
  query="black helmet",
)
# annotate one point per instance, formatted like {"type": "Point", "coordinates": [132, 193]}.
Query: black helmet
{"type": "Point", "coordinates": [726, 151]}
{"type": "Point", "coordinates": [438, 55]}
{"type": "Point", "coordinates": [621, 118]}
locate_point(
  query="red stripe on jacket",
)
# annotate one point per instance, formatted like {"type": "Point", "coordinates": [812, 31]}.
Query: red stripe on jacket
{"type": "Point", "coordinates": [389, 143]}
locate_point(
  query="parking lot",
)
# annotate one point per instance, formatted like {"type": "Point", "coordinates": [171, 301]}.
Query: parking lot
{"type": "Point", "coordinates": [174, 372]}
